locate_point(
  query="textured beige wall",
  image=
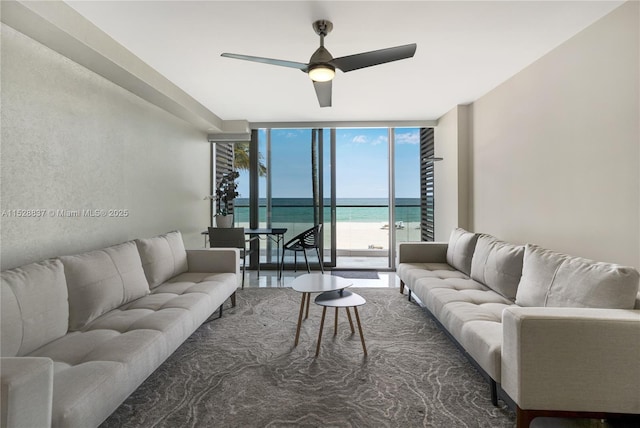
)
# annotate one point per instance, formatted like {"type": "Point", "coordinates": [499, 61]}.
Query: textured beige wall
{"type": "Point", "coordinates": [556, 149]}
{"type": "Point", "coordinates": [72, 140]}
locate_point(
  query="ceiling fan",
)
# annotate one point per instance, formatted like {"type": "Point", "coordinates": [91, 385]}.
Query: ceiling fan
{"type": "Point", "coordinates": [322, 65]}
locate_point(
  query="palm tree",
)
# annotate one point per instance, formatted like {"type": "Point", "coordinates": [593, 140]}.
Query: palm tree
{"type": "Point", "coordinates": [241, 159]}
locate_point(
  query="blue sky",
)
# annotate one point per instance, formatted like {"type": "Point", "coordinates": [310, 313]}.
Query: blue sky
{"type": "Point", "coordinates": [361, 163]}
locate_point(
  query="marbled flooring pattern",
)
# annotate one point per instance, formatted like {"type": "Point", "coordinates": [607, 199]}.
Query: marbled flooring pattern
{"type": "Point", "coordinates": [243, 371]}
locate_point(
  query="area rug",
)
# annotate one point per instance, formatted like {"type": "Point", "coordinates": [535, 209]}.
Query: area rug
{"type": "Point", "coordinates": [356, 274]}
{"type": "Point", "coordinates": [242, 370]}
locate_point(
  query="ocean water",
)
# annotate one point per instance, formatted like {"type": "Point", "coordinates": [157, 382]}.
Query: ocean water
{"type": "Point", "coordinates": [300, 210]}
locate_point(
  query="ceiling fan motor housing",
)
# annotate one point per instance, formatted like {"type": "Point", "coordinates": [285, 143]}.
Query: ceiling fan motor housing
{"type": "Point", "coordinates": [320, 56]}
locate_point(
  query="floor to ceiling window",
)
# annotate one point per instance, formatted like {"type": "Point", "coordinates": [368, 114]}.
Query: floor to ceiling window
{"type": "Point", "coordinates": [290, 187]}
{"type": "Point", "coordinates": [362, 197]}
{"type": "Point", "coordinates": [363, 184]}
{"type": "Point", "coordinates": [406, 184]}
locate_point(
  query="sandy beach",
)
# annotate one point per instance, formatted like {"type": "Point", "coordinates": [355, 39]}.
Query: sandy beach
{"type": "Point", "coordinates": [362, 235]}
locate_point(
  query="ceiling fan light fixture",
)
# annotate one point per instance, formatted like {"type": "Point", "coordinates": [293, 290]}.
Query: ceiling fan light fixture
{"type": "Point", "coordinates": [322, 72]}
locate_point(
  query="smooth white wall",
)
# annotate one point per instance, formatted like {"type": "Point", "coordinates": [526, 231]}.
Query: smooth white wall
{"type": "Point", "coordinates": [452, 174]}
{"type": "Point", "coordinates": [556, 149]}
{"type": "Point", "coordinates": [72, 140]}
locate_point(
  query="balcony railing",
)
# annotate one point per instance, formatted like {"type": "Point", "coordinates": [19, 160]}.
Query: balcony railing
{"type": "Point", "coordinates": [361, 229]}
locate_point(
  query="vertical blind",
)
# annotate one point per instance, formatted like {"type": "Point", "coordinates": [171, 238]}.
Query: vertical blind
{"type": "Point", "coordinates": [427, 202]}
{"type": "Point", "coordinates": [224, 163]}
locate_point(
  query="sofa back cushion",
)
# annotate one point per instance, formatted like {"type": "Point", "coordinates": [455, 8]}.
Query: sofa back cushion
{"type": "Point", "coordinates": [555, 279]}
{"type": "Point", "coordinates": [163, 257]}
{"type": "Point", "coordinates": [34, 309]}
{"type": "Point", "coordinates": [460, 249]}
{"type": "Point", "coordinates": [498, 265]}
{"type": "Point", "coordinates": [102, 280]}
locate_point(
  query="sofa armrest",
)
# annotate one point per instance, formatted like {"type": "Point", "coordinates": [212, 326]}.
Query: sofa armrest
{"type": "Point", "coordinates": [572, 359]}
{"type": "Point", "coordinates": [422, 252]}
{"type": "Point", "coordinates": [27, 391]}
{"type": "Point", "coordinates": [214, 260]}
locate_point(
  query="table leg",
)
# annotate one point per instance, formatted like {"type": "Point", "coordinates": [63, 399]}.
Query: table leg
{"type": "Point", "coordinates": [324, 312]}
{"type": "Point", "coordinates": [304, 295]}
{"type": "Point", "coordinates": [278, 256]}
{"type": "Point", "coordinates": [335, 327]}
{"type": "Point", "coordinates": [258, 240]}
{"type": "Point", "coordinates": [350, 322]}
{"type": "Point", "coordinates": [364, 348]}
{"type": "Point", "coordinates": [308, 300]}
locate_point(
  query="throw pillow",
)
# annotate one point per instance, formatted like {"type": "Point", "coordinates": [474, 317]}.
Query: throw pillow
{"type": "Point", "coordinates": [163, 257]}
{"type": "Point", "coordinates": [34, 308]}
{"type": "Point", "coordinates": [555, 279]}
{"type": "Point", "coordinates": [102, 280]}
{"type": "Point", "coordinates": [460, 249]}
{"type": "Point", "coordinates": [498, 265]}
{"type": "Point", "coordinates": [480, 256]}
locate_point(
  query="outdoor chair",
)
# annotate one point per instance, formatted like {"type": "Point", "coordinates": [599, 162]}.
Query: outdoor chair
{"type": "Point", "coordinates": [308, 239]}
{"type": "Point", "coordinates": [232, 237]}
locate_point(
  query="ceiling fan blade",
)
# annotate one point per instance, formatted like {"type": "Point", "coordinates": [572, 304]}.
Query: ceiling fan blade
{"type": "Point", "coordinates": [323, 91]}
{"type": "Point", "coordinates": [291, 64]}
{"type": "Point", "coordinates": [367, 59]}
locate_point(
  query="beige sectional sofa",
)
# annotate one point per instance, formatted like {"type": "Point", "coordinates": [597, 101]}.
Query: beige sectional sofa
{"type": "Point", "coordinates": [80, 333]}
{"type": "Point", "coordinates": [555, 334]}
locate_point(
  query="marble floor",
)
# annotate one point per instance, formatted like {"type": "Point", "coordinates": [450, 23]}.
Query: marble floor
{"type": "Point", "coordinates": [269, 278]}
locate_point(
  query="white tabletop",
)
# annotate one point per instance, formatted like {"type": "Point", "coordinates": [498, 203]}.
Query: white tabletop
{"type": "Point", "coordinates": [319, 282]}
{"type": "Point", "coordinates": [339, 299]}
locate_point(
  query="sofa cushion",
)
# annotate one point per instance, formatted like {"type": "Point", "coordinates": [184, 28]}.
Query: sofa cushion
{"type": "Point", "coordinates": [34, 308]}
{"type": "Point", "coordinates": [102, 280]}
{"type": "Point", "coordinates": [95, 371]}
{"type": "Point", "coordinates": [554, 279]}
{"type": "Point", "coordinates": [498, 265]}
{"type": "Point", "coordinates": [163, 257]}
{"type": "Point", "coordinates": [460, 249]}
{"type": "Point", "coordinates": [437, 297]}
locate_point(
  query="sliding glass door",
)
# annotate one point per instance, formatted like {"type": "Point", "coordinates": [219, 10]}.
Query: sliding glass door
{"type": "Point", "coordinates": [362, 184]}
{"type": "Point", "coordinates": [362, 198]}
{"type": "Point", "coordinates": [290, 187]}
{"type": "Point", "coordinates": [405, 186]}
{"type": "Point", "coordinates": [378, 194]}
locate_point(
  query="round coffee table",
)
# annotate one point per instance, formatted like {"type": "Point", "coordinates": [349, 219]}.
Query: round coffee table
{"type": "Point", "coordinates": [340, 299]}
{"type": "Point", "coordinates": [315, 283]}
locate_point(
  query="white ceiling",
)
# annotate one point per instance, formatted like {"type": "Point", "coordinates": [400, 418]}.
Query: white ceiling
{"type": "Point", "coordinates": [465, 49]}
